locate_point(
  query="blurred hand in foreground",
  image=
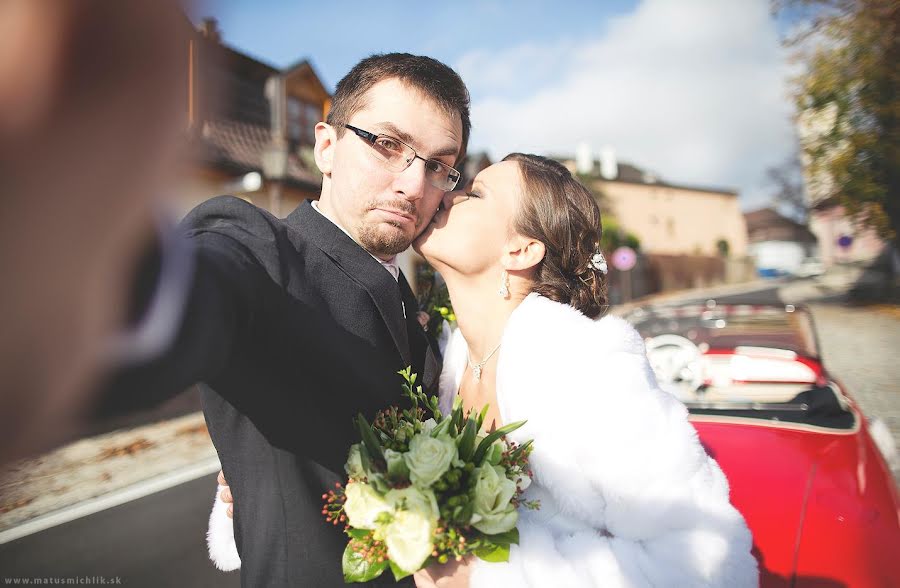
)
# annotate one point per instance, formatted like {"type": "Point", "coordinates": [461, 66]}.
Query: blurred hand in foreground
{"type": "Point", "coordinates": [93, 102]}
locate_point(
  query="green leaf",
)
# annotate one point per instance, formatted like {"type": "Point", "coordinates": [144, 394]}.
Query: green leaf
{"type": "Point", "coordinates": [368, 437]}
{"type": "Point", "coordinates": [466, 514]}
{"type": "Point", "coordinates": [441, 428]}
{"type": "Point", "coordinates": [521, 448]}
{"type": "Point", "coordinates": [366, 460]}
{"type": "Point", "coordinates": [457, 415]}
{"type": "Point", "coordinates": [359, 533]}
{"type": "Point", "coordinates": [399, 574]}
{"type": "Point", "coordinates": [435, 405]}
{"type": "Point", "coordinates": [357, 569]}
{"type": "Point", "coordinates": [511, 537]}
{"type": "Point", "coordinates": [489, 440]}
{"type": "Point", "coordinates": [493, 553]}
{"type": "Point", "coordinates": [482, 415]}
{"type": "Point", "coordinates": [467, 441]}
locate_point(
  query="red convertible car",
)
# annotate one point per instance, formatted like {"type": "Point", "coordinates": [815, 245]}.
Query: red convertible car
{"type": "Point", "coordinates": [803, 466]}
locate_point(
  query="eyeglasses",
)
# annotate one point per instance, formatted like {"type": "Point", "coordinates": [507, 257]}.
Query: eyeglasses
{"type": "Point", "coordinates": [397, 156]}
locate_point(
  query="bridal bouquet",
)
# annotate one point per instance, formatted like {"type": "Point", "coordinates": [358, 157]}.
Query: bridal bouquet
{"type": "Point", "coordinates": [424, 490]}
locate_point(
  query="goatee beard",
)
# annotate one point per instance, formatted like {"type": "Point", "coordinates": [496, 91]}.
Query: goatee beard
{"type": "Point", "coordinates": [379, 243]}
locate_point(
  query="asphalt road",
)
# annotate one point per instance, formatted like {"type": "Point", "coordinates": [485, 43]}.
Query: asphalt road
{"type": "Point", "coordinates": [156, 541]}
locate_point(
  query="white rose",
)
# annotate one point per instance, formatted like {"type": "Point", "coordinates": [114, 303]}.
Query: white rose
{"type": "Point", "coordinates": [493, 512]}
{"type": "Point", "coordinates": [354, 467]}
{"type": "Point", "coordinates": [363, 505]}
{"type": "Point", "coordinates": [428, 458]}
{"type": "Point", "coordinates": [414, 500]}
{"type": "Point", "coordinates": [497, 523]}
{"type": "Point", "coordinates": [409, 539]}
{"type": "Point", "coordinates": [396, 465]}
{"type": "Point", "coordinates": [495, 452]}
{"type": "Point", "coordinates": [428, 426]}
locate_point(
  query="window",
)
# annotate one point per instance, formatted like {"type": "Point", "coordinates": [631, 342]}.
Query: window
{"type": "Point", "coordinates": [301, 120]}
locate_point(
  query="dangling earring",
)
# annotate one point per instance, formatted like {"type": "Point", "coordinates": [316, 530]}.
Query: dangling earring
{"type": "Point", "coordinates": [504, 285]}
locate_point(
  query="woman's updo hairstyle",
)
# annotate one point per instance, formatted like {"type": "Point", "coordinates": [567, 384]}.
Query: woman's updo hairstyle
{"type": "Point", "coordinates": [562, 214]}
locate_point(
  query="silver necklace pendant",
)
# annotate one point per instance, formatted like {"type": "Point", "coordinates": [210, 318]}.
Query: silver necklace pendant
{"type": "Point", "coordinates": [477, 367]}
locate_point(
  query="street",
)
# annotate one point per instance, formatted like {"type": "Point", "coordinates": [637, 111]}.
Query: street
{"type": "Point", "coordinates": [158, 540]}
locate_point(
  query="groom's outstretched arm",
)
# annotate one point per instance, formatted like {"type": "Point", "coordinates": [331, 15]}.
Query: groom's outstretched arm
{"type": "Point", "coordinates": [225, 289]}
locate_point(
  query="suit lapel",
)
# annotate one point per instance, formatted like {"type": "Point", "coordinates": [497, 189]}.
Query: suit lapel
{"type": "Point", "coordinates": [359, 266]}
{"type": "Point", "coordinates": [430, 366]}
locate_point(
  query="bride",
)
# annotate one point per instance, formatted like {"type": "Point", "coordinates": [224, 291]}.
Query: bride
{"type": "Point", "coordinates": [628, 495]}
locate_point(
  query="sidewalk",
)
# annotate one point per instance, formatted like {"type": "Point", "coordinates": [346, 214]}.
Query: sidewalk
{"type": "Point", "coordinates": [73, 478]}
{"type": "Point", "coordinates": [832, 286]}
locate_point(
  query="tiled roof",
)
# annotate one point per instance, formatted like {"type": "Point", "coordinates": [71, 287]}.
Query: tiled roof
{"type": "Point", "coordinates": [766, 224]}
{"type": "Point", "coordinates": [240, 145]}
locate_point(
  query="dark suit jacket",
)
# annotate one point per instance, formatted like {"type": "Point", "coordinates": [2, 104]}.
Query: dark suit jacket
{"type": "Point", "coordinates": [292, 328]}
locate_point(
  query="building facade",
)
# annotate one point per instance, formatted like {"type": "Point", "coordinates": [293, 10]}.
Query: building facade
{"type": "Point", "coordinates": [248, 117]}
{"type": "Point", "coordinates": [689, 236]}
{"type": "Point", "coordinates": [778, 244]}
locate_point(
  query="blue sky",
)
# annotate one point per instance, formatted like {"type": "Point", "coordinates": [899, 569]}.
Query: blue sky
{"type": "Point", "coordinates": [336, 34]}
{"type": "Point", "coordinates": [693, 90]}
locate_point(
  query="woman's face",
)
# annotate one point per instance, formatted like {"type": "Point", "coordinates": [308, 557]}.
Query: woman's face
{"type": "Point", "coordinates": [468, 236]}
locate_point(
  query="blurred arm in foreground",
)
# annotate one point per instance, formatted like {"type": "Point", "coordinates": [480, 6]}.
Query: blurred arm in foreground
{"type": "Point", "coordinates": [92, 106]}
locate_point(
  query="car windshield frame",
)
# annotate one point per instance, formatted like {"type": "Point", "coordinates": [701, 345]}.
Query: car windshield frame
{"type": "Point", "coordinates": [726, 326]}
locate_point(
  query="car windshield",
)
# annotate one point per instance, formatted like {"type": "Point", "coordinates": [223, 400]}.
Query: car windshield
{"type": "Point", "coordinates": [758, 361]}
{"type": "Point", "coordinates": [722, 326]}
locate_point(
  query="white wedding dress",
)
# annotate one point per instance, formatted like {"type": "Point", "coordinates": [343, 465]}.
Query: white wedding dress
{"type": "Point", "coordinates": [628, 495]}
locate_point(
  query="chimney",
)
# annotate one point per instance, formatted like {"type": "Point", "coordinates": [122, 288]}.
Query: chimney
{"type": "Point", "coordinates": [209, 28]}
{"type": "Point", "coordinates": [275, 92]}
{"type": "Point", "coordinates": [584, 159]}
{"type": "Point", "coordinates": [609, 167]}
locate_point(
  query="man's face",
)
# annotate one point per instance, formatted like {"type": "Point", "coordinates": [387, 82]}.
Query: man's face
{"type": "Point", "coordinates": [384, 210]}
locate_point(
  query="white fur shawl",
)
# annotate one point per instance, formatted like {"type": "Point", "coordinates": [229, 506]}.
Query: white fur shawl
{"type": "Point", "coordinates": [628, 495]}
{"type": "Point", "coordinates": [220, 537]}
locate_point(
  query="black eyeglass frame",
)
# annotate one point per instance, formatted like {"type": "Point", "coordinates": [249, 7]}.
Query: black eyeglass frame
{"type": "Point", "coordinates": [453, 174]}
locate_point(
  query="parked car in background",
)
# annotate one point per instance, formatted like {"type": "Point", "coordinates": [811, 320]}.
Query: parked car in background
{"type": "Point", "coordinates": [803, 467]}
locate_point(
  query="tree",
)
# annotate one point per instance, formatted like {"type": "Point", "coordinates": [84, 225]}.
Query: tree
{"type": "Point", "coordinates": [614, 236]}
{"type": "Point", "coordinates": [723, 248]}
{"type": "Point", "coordinates": [787, 181]}
{"type": "Point", "coordinates": [848, 102]}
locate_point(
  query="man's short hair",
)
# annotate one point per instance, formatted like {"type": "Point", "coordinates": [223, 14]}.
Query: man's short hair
{"type": "Point", "coordinates": [429, 76]}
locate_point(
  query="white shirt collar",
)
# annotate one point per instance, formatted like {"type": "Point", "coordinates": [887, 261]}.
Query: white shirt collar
{"type": "Point", "coordinates": [390, 265]}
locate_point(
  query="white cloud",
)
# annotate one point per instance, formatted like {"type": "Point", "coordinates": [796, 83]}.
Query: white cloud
{"type": "Point", "coordinates": [694, 90]}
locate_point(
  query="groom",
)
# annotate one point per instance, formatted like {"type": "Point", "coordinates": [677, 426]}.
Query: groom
{"type": "Point", "coordinates": [293, 326]}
